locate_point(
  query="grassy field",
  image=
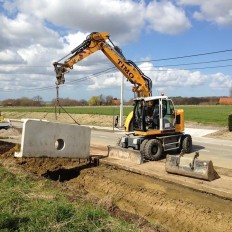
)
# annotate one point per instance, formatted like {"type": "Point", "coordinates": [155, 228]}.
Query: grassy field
{"type": "Point", "coordinates": [217, 115]}
{"type": "Point", "coordinates": [33, 205]}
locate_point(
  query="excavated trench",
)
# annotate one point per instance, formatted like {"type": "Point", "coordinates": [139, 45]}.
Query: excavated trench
{"type": "Point", "coordinates": [167, 206]}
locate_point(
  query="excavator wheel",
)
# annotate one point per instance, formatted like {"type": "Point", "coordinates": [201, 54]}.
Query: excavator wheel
{"type": "Point", "coordinates": [118, 143]}
{"type": "Point", "coordinates": [142, 148]}
{"type": "Point", "coordinates": [187, 144]}
{"type": "Point", "coordinates": [153, 150]}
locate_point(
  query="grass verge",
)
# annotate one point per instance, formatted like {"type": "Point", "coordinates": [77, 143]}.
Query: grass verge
{"type": "Point", "coordinates": [33, 205]}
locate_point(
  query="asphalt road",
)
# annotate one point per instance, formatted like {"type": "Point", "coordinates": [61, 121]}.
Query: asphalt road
{"type": "Point", "coordinates": [219, 151]}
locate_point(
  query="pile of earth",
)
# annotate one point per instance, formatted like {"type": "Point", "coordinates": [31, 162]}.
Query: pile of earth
{"type": "Point", "coordinates": [9, 133]}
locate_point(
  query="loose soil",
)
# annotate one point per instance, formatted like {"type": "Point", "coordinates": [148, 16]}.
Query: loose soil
{"type": "Point", "coordinates": [166, 206]}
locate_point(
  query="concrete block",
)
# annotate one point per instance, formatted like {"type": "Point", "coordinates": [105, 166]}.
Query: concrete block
{"type": "Point", "coordinates": [49, 139]}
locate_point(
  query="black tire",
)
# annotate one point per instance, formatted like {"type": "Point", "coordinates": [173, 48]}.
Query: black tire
{"type": "Point", "coordinates": [187, 144]}
{"type": "Point", "coordinates": [142, 147]}
{"type": "Point", "coordinates": [153, 150]}
{"type": "Point", "coordinates": [123, 145]}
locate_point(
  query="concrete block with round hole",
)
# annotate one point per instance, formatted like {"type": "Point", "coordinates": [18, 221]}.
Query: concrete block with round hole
{"type": "Point", "coordinates": [51, 139]}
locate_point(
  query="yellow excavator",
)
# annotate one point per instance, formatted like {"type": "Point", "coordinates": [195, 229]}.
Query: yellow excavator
{"type": "Point", "coordinates": [4, 123]}
{"type": "Point", "coordinates": [154, 126]}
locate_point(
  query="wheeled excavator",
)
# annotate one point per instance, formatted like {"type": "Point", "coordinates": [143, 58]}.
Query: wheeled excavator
{"type": "Point", "coordinates": [4, 123]}
{"type": "Point", "coordinates": [154, 126]}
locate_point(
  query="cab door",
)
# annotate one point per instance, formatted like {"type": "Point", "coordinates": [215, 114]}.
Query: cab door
{"type": "Point", "coordinates": [138, 115]}
{"type": "Point", "coordinates": [167, 119]}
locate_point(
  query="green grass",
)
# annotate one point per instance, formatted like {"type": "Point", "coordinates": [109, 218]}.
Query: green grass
{"type": "Point", "coordinates": [217, 115]}
{"type": "Point", "coordinates": [32, 205]}
{"type": "Point", "coordinates": [101, 110]}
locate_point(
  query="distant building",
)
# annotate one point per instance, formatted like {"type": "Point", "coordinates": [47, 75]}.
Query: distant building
{"type": "Point", "coordinates": [225, 101]}
{"type": "Point", "coordinates": [116, 101]}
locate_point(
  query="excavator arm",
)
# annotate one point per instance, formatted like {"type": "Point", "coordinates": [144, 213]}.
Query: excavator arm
{"type": "Point", "coordinates": [142, 85]}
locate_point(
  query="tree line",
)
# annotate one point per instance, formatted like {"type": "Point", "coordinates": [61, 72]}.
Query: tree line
{"type": "Point", "coordinates": [38, 101]}
{"type": "Point", "coordinates": [195, 100]}
{"type": "Point", "coordinates": [101, 100]}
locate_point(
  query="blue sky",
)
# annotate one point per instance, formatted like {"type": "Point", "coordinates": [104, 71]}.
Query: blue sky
{"type": "Point", "coordinates": [34, 34]}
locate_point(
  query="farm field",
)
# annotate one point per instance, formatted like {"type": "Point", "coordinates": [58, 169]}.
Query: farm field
{"type": "Point", "coordinates": [214, 115]}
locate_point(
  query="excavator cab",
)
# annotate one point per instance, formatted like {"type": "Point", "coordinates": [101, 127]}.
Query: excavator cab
{"type": "Point", "coordinates": [154, 114]}
{"type": "Point", "coordinates": [157, 128]}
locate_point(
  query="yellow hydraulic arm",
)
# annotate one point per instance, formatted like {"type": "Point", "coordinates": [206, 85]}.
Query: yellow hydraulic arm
{"type": "Point", "coordinates": [101, 41]}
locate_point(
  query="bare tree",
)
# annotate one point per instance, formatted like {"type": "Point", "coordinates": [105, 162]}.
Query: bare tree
{"type": "Point", "coordinates": [109, 99]}
{"type": "Point", "coordinates": [38, 100]}
{"type": "Point", "coordinates": [102, 99]}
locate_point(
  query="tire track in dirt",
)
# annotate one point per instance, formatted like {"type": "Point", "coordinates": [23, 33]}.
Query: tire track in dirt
{"type": "Point", "coordinates": [176, 208]}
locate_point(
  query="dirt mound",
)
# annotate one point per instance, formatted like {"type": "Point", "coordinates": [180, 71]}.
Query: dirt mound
{"type": "Point", "coordinates": [167, 206]}
{"type": "Point", "coordinates": [9, 132]}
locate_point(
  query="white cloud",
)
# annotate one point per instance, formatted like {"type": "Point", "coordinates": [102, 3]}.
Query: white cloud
{"type": "Point", "coordinates": [220, 81]}
{"type": "Point", "coordinates": [216, 11]}
{"type": "Point", "coordinates": [37, 54]}
{"type": "Point", "coordinates": [109, 80]}
{"type": "Point", "coordinates": [123, 19]}
{"type": "Point", "coordinates": [164, 79]}
{"type": "Point", "coordinates": [166, 18]}
{"type": "Point", "coordinates": [25, 30]}
{"type": "Point", "coordinates": [8, 57]}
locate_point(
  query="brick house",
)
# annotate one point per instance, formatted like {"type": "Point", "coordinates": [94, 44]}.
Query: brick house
{"type": "Point", "coordinates": [225, 101]}
{"type": "Point", "coordinates": [115, 101]}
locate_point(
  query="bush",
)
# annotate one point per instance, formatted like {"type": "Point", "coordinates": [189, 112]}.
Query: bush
{"type": "Point", "coordinates": [230, 122]}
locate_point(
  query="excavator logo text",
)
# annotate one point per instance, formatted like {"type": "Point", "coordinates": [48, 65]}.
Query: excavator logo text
{"type": "Point", "coordinates": [125, 69]}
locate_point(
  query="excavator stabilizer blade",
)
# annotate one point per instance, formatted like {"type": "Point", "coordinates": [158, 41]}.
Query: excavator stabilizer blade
{"type": "Point", "coordinates": [192, 167]}
{"type": "Point", "coordinates": [125, 154]}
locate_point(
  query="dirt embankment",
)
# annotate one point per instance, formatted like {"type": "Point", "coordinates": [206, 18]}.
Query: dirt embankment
{"type": "Point", "coordinates": [167, 206]}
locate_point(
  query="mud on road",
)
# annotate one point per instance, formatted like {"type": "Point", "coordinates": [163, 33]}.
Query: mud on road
{"type": "Point", "coordinates": [168, 206]}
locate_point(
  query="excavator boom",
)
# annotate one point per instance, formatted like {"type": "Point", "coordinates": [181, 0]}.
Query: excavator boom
{"type": "Point", "coordinates": [142, 85]}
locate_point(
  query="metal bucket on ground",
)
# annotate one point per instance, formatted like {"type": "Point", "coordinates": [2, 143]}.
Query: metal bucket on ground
{"type": "Point", "coordinates": [191, 166]}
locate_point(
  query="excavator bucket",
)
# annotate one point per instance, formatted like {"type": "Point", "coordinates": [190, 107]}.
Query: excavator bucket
{"type": "Point", "coordinates": [191, 166]}
{"type": "Point", "coordinates": [120, 153]}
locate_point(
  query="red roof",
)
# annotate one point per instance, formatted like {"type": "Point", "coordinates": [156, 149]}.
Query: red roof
{"type": "Point", "coordinates": [225, 100]}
